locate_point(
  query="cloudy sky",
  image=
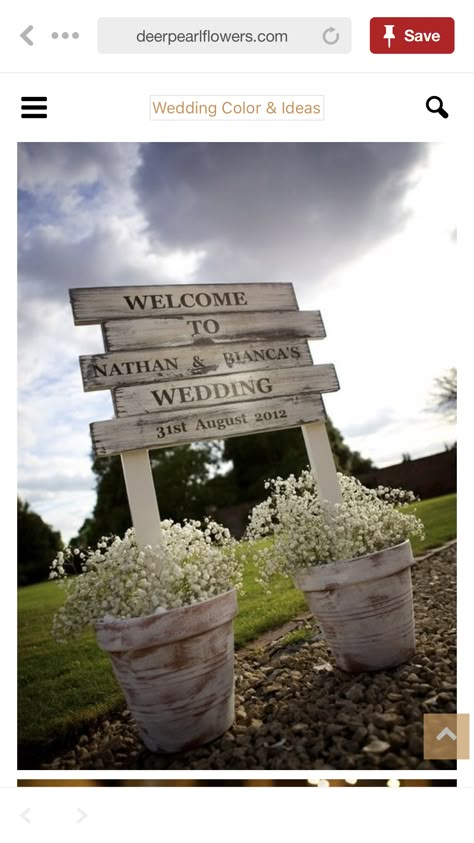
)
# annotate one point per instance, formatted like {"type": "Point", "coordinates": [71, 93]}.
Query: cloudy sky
{"type": "Point", "coordinates": [364, 231]}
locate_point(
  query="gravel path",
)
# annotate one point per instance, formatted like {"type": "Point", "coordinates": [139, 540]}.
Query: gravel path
{"type": "Point", "coordinates": [296, 711]}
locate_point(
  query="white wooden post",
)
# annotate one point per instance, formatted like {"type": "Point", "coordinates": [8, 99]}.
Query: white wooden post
{"type": "Point", "coordinates": [141, 497]}
{"type": "Point", "coordinates": [322, 461]}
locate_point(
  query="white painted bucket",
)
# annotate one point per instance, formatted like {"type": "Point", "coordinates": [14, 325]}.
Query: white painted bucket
{"type": "Point", "coordinates": [176, 671]}
{"type": "Point", "coordinates": [365, 608]}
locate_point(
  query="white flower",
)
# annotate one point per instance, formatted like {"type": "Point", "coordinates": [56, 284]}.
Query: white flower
{"type": "Point", "coordinates": [306, 531]}
{"type": "Point", "coordinates": [120, 580]}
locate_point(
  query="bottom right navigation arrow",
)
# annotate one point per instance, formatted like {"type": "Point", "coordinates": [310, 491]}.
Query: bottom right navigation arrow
{"type": "Point", "coordinates": [446, 733]}
{"type": "Point", "coordinates": [446, 736]}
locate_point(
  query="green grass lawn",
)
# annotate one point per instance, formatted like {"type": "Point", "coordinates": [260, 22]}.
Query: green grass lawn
{"type": "Point", "coordinates": [63, 687]}
{"type": "Point", "coordinates": [60, 687]}
{"type": "Point", "coordinates": [439, 517]}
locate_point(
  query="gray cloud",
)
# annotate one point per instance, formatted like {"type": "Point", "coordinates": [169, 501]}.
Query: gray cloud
{"type": "Point", "coordinates": [371, 425]}
{"type": "Point", "coordinates": [56, 483]}
{"type": "Point", "coordinates": [105, 256]}
{"type": "Point", "coordinates": [271, 211]}
{"type": "Point", "coordinates": [100, 214]}
{"type": "Point", "coordinates": [78, 222]}
{"type": "Point", "coordinates": [48, 167]}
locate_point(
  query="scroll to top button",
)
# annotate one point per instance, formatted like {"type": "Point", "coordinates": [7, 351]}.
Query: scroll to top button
{"type": "Point", "coordinates": [446, 736]}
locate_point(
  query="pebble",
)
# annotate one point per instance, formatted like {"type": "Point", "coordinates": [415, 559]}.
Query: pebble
{"type": "Point", "coordinates": [355, 694]}
{"type": "Point", "coordinates": [297, 711]}
{"type": "Point", "coordinates": [376, 746]}
{"type": "Point", "coordinates": [415, 745]}
{"type": "Point", "coordinates": [386, 719]}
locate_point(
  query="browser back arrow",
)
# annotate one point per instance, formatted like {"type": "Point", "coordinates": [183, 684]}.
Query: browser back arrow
{"type": "Point", "coordinates": [25, 34]}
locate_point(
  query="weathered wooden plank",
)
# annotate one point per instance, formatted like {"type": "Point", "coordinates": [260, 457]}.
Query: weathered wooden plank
{"type": "Point", "coordinates": [105, 371]}
{"type": "Point", "coordinates": [124, 334]}
{"type": "Point", "coordinates": [142, 499]}
{"type": "Point", "coordinates": [219, 390]}
{"type": "Point", "coordinates": [91, 305]}
{"type": "Point", "coordinates": [321, 461]}
{"type": "Point", "coordinates": [161, 431]}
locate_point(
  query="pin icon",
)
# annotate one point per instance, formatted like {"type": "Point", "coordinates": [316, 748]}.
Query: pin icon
{"type": "Point", "coordinates": [389, 34]}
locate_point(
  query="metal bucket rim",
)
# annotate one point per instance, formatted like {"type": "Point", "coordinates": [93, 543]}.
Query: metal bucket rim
{"type": "Point", "coordinates": [121, 634]}
{"type": "Point", "coordinates": [370, 566]}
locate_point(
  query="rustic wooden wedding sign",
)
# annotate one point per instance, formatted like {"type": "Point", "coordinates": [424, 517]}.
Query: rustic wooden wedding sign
{"type": "Point", "coordinates": [188, 363]}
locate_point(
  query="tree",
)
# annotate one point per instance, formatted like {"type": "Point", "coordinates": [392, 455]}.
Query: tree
{"type": "Point", "coordinates": [38, 544]}
{"type": "Point", "coordinates": [280, 453]}
{"type": "Point", "coordinates": [180, 476]}
{"type": "Point", "coordinates": [188, 484]}
{"type": "Point", "coordinates": [444, 397]}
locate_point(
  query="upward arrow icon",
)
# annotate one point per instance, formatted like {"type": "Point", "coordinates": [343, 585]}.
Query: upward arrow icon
{"type": "Point", "coordinates": [446, 733]}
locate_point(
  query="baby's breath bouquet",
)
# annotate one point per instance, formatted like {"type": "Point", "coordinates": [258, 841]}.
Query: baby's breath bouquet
{"type": "Point", "coordinates": [307, 531]}
{"type": "Point", "coordinates": [118, 579]}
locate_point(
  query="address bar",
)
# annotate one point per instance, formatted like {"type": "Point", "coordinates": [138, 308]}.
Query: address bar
{"type": "Point", "coordinates": [224, 35]}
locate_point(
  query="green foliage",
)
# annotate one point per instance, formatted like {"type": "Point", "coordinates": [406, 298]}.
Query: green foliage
{"type": "Point", "coordinates": [281, 453]}
{"type": "Point", "coordinates": [444, 398]}
{"type": "Point", "coordinates": [347, 461]}
{"type": "Point", "coordinates": [180, 476]}
{"type": "Point", "coordinates": [188, 485]}
{"type": "Point", "coordinates": [305, 633]}
{"type": "Point", "coordinates": [111, 514]}
{"type": "Point", "coordinates": [38, 544]}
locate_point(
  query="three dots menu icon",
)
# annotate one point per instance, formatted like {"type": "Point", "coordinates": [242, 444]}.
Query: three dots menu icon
{"type": "Point", "coordinates": [34, 107]}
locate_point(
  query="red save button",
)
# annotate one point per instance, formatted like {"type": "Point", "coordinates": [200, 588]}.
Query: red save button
{"type": "Point", "coordinates": [412, 35]}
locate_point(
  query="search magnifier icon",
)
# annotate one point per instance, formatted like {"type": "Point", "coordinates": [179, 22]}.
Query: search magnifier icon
{"type": "Point", "coordinates": [435, 106]}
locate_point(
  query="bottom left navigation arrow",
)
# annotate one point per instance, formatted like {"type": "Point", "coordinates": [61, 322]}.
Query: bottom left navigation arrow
{"type": "Point", "coordinates": [82, 817]}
